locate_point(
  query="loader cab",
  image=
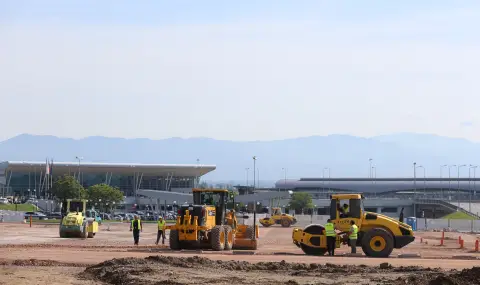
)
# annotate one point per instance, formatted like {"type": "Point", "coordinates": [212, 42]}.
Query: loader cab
{"type": "Point", "coordinates": [214, 200]}
{"type": "Point", "coordinates": [355, 210]}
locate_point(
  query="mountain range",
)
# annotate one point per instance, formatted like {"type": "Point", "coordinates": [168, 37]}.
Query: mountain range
{"type": "Point", "coordinates": [346, 156]}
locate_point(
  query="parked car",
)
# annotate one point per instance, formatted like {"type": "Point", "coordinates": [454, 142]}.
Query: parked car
{"type": "Point", "coordinates": [36, 215]}
{"type": "Point", "coordinates": [54, 215]}
{"type": "Point", "coordinates": [4, 201]}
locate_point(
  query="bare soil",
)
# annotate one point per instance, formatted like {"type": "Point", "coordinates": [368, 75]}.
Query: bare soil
{"type": "Point", "coordinates": [37, 255]}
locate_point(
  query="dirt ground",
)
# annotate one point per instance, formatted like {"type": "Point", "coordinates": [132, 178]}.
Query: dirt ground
{"type": "Point", "coordinates": [37, 255]}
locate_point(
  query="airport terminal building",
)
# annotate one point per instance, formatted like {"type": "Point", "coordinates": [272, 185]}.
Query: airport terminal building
{"type": "Point", "coordinates": [27, 178]}
{"type": "Point", "coordinates": [441, 188]}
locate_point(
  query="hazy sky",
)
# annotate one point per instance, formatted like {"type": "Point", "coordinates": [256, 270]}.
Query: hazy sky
{"type": "Point", "coordinates": [240, 70]}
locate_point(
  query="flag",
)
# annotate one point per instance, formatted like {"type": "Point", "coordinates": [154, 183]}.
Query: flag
{"type": "Point", "coordinates": [51, 167]}
{"type": "Point", "coordinates": [47, 167]}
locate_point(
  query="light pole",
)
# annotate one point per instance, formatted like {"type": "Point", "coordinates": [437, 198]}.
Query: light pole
{"type": "Point", "coordinates": [370, 168]}
{"type": "Point", "coordinates": [254, 167]}
{"type": "Point", "coordinates": [474, 167]}
{"type": "Point", "coordinates": [441, 176]}
{"type": "Point", "coordinates": [197, 178]}
{"type": "Point", "coordinates": [414, 189]}
{"type": "Point", "coordinates": [450, 181]}
{"type": "Point", "coordinates": [458, 187]}
{"type": "Point", "coordinates": [424, 180]}
{"type": "Point", "coordinates": [79, 162]}
{"type": "Point", "coordinates": [246, 171]}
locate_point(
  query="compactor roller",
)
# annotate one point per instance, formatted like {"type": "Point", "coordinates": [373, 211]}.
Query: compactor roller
{"type": "Point", "coordinates": [378, 234]}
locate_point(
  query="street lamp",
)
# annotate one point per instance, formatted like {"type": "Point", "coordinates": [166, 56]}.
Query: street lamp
{"type": "Point", "coordinates": [474, 167]}
{"type": "Point", "coordinates": [79, 173]}
{"type": "Point", "coordinates": [246, 171]}
{"type": "Point", "coordinates": [414, 188]}
{"type": "Point", "coordinates": [450, 181]}
{"type": "Point", "coordinates": [441, 176]}
{"type": "Point", "coordinates": [424, 180]}
{"type": "Point", "coordinates": [254, 167]}
{"type": "Point", "coordinates": [370, 168]}
{"type": "Point", "coordinates": [458, 180]}
{"type": "Point", "coordinates": [285, 178]}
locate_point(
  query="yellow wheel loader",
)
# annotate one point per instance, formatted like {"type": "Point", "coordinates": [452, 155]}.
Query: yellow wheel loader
{"type": "Point", "coordinates": [77, 221]}
{"type": "Point", "coordinates": [207, 224]}
{"type": "Point", "coordinates": [378, 234]}
{"type": "Point", "coordinates": [278, 218]}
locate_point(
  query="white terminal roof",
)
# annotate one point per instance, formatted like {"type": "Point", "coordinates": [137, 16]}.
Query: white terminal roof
{"type": "Point", "coordinates": [60, 168]}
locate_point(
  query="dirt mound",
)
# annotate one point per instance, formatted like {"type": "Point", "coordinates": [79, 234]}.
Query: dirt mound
{"type": "Point", "coordinates": [38, 262]}
{"type": "Point", "coordinates": [178, 270]}
{"type": "Point", "coordinates": [466, 276]}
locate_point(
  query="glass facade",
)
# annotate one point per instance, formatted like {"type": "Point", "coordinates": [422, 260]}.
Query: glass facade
{"type": "Point", "coordinates": [34, 184]}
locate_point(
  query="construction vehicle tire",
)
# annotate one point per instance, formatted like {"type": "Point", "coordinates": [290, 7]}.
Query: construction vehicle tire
{"type": "Point", "coordinates": [285, 223]}
{"type": "Point", "coordinates": [174, 241]}
{"type": "Point", "coordinates": [377, 242]}
{"type": "Point", "coordinates": [229, 238]}
{"type": "Point", "coordinates": [313, 230]}
{"type": "Point", "coordinates": [218, 238]}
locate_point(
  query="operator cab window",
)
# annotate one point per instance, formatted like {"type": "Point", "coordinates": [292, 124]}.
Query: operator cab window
{"type": "Point", "coordinates": [343, 208]}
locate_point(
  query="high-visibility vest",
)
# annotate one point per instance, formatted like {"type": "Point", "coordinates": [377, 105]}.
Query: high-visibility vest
{"type": "Point", "coordinates": [354, 230]}
{"type": "Point", "coordinates": [139, 224]}
{"type": "Point", "coordinates": [330, 230]}
{"type": "Point", "coordinates": [161, 225]}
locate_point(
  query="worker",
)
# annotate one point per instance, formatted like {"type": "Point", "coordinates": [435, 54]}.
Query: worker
{"type": "Point", "coordinates": [231, 218]}
{"type": "Point", "coordinates": [136, 227]}
{"type": "Point", "coordinates": [161, 230]}
{"type": "Point", "coordinates": [352, 236]}
{"type": "Point", "coordinates": [331, 237]}
{"type": "Point", "coordinates": [343, 211]}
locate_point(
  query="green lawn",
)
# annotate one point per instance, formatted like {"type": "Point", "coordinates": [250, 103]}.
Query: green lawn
{"type": "Point", "coordinates": [18, 207]}
{"type": "Point", "coordinates": [458, 216]}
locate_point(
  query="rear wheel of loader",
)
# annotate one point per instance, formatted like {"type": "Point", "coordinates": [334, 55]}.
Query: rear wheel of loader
{"type": "Point", "coordinates": [313, 230]}
{"type": "Point", "coordinates": [377, 243]}
{"type": "Point", "coordinates": [285, 223]}
{"type": "Point", "coordinates": [174, 241]}
{"type": "Point", "coordinates": [228, 238]}
{"type": "Point", "coordinates": [218, 238]}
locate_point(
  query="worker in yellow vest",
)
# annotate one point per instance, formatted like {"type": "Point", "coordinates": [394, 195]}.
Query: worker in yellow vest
{"type": "Point", "coordinates": [352, 236]}
{"type": "Point", "coordinates": [136, 228]}
{"type": "Point", "coordinates": [161, 230]}
{"type": "Point", "coordinates": [331, 237]}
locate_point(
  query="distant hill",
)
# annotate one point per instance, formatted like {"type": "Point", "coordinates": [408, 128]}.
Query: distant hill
{"type": "Point", "coordinates": [393, 155]}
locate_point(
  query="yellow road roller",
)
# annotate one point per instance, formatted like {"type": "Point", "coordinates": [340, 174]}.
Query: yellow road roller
{"type": "Point", "coordinates": [378, 234]}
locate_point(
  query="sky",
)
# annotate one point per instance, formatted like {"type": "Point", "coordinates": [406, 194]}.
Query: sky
{"type": "Point", "coordinates": [239, 70]}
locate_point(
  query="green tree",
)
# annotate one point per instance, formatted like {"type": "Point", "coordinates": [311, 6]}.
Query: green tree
{"type": "Point", "coordinates": [67, 187]}
{"type": "Point", "coordinates": [104, 195]}
{"type": "Point", "coordinates": [301, 201]}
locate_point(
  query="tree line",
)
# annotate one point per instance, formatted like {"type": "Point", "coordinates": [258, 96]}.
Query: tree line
{"type": "Point", "coordinates": [68, 187]}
